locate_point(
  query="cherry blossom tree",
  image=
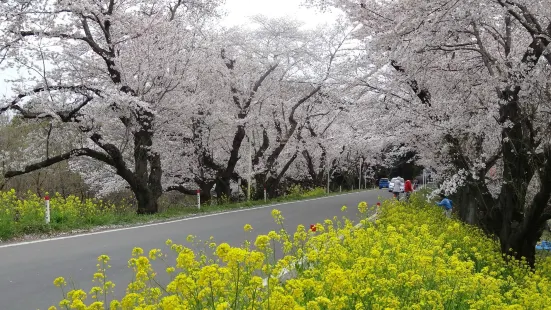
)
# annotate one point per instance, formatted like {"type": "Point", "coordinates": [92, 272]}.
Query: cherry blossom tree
{"type": "Point", "coordinates": [104, 69]}
{"type": "Point", "coordinates": [468, 82]}
{"type": "Point", "coordinates": [262, 84]}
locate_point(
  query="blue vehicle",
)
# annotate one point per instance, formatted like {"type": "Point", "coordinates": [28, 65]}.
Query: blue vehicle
{"type": "Point", "coordinates": [544, 245]}
{"type": "Point", "coordinates": [383, 183]}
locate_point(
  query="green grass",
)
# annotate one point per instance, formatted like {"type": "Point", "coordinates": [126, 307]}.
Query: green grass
{"type": "Point", "coordinates": [122, 216]}
{"type": "Point", "coordinates": [175, 211]}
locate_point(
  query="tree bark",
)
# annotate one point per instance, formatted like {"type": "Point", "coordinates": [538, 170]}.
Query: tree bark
{"type": "Point", "coordinates": [148, 171]}
{"type": "Point", "coordinates": [272, 183]}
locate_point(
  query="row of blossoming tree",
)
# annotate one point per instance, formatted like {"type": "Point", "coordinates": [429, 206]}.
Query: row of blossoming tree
{"type": "Point", "coordinates": [467, 83]}
{"type": "Point", "coordinates": [154, 96]}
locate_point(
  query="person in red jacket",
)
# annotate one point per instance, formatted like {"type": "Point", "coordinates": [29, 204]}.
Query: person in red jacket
{"type": "Point", "coordinates": [408, 189]}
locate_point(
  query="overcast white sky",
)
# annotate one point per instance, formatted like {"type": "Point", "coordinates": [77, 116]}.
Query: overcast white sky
{"type": "Point", "coordinates": [239, 10]}
{"type": "Point", "coordinates": [238, 13]}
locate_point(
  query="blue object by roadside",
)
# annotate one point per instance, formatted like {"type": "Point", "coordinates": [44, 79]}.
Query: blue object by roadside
{"type": "Point", "coordinates": [383, 183]}
{"type": "Point", "coordinates": [446, 203]}
{"type": "Point", "coordinates": [544, 245]}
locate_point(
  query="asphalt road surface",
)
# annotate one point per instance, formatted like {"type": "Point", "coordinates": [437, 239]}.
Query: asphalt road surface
{"type": "Point", "coordinates": [28, 269]}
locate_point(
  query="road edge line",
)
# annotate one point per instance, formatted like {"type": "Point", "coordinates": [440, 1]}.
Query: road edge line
{"type": "Point", "coordinates": [78, 235]}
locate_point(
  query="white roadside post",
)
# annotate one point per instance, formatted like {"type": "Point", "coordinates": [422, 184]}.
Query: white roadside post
{"type": "Point", "coordinates": [250, 171]}
{"type": "Point", "coordinates": [198, 199]}
{"type": "Point", "coordinates": [340, 188]}
{"type": "Point", "coordinates": [328, 175]}
{"type": "Point", "coordinates": [212, 191]}
{"type": "Point", "coordinates": [47, 213]}
{"type": "Point", "coordinates": [360, 175]}
{"type": "Point", "coordinates": [265, 194]}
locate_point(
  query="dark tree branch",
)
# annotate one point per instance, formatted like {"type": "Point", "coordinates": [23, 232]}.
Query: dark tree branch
{"type": "Point", "coordinates": [260, 152]}
{"type": "Point", "coordinates": [88, 39]}
{"type": "Point", "coordinates": [59, 158]}
{"type": "Point", "coordinates": [182, 189]}
{"type": "Point", "coordinates": [258, 84]}
{"type": "Point", "coordinates": [286, 167]}
{"type": "Point", "coordinates": [422, 93]}
{"type": "Point", "coordinates": [80, 89]}
{"type": "Point", "coordinates": [292, 120]}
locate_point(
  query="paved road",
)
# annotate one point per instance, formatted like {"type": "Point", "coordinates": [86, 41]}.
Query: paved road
{"type": "Point", "coordinates": [27, 270]}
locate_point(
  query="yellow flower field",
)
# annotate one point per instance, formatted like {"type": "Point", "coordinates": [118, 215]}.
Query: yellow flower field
{"type": "Point", "coordinates": [24, 215]}
{"type": "Point", "coordinates": [412, 257]}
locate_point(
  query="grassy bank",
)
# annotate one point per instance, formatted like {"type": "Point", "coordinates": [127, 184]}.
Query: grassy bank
{"type": "Point", "coordinates": [20, 216]}
{"type": "Point", "coordinates": [412, 257]}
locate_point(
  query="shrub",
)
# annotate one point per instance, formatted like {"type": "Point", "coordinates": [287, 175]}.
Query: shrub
{"type": "Point", "coordinates": [411, 257]}
{"type": "Point", "coordinates": [318, 191]}
{"type": "Point", "coordinates": [297, 191]}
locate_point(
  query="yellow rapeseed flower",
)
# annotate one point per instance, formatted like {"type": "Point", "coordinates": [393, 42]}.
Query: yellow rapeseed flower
{"type": "Point", "coordinates": [60, 281]}
{"type": "Point", "coordinates": [154, 253]}
{"type": "Point", "coordinates": [274, 236]}
{"type": "Point", "coordinates": [103, 259]}
{"type": "Point", "coordinates": [362, 207]}
{"type": "Point", "coordinates": [247, 227]}
{"type": "Point", "coordinates": [137, 251]}
{"type": "Point", "coordinates": [186, 259]}
{"type": "Point", "coordinates": [223, 250]}
{"type": "Point", "coordinates": [262, 242]}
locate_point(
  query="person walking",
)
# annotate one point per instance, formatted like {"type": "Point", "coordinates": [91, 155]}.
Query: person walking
{"type": "Point", "coordinates": [396, 188]}
{"type": "Point", "coordinates": [447, 204]}
{"type": "Point", "coordinates": [408, 188]}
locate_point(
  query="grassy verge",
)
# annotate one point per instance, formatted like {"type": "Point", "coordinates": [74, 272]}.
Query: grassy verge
{"type": "Point", "coordinates": [20, 217]}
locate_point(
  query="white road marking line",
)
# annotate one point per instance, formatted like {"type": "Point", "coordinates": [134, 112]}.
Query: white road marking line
{"type": "Point", "coordinates": [169, 222]}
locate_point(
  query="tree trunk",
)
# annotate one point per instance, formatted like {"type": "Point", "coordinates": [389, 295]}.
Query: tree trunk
{"type": "Point", "coordinates": [223, 183]}
{"type": "Point", "coordinates": [517, 229]}
{"type": "Point", "coordinates": [147, 171]}
{"type": "Point", "coordinates": [260, 184]}
{"type": "Point", "coordinates": [468, 203]}
{"type": "Point", "coordinates": [268, 183]}
{"type": "Point", "coordinates": [523, 238]}
{"type": "Point", "coordinates": [523, 243]}
{"type": "Point", "coordinates": [223, 188]}
{"type": "Point", "coordinates": [147, 202]}
{"type": "Point", "coordinates": [205, 189]}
